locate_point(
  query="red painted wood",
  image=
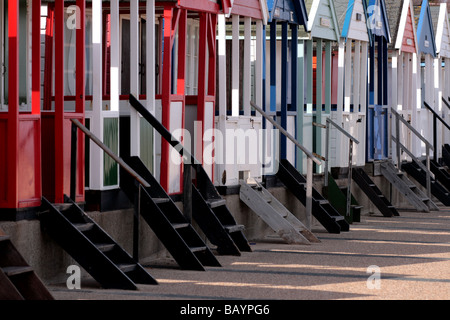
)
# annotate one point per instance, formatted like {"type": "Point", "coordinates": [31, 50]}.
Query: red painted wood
{"type": "Point", "coordinates": [182, 53]}
{"type": "Point", "coordinates": [48, 71]}
{"type": "Point", "coordinates": [59, 101]}
{"type": "Point", "coordinates": [202, 80]}
{"type": "Point", "coordinates": [165, 96]}
{"type": "Point", "coordinates": [13, 104]}
{"type": "Point", "coordinates": [29, 161]}
{"type": "Point", "coordinates": [81, 97]}
{"type": "Point", "coordinates": [199, 5]}
{"type": "Point", "coordinates": [36, 58]}
{"type": "Point", "coordinates": [35, 188]}
{"type": "Point", "coordinates": [80, 59]}
{"type": "Point", "coordinates": [409, 34]}
{"type": "Point", "coordinates": [3, 160]}
{"type": "Point", "coordinates": [247, 8]}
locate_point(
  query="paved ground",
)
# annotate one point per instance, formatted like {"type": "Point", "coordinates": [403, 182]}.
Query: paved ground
{"type": "Point", "coordinates": [412, 252]}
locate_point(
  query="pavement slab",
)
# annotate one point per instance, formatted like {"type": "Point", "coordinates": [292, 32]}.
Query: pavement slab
{"type": "Point", "coordinates": [410, 256]}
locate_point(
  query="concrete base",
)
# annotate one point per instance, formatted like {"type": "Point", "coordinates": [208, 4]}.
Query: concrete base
{"type": "Point", "coordinates": [50, 262]}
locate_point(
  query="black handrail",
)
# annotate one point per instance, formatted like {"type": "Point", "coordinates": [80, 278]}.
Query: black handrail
{"type": "Point", "coordinates": [446, 103]}
{"type": "Point", "coordinates": [163, 131]}
{"type": "Point", "coordinates": [435, 117]}
{"type": "Point", "coordinates": [142, 183]}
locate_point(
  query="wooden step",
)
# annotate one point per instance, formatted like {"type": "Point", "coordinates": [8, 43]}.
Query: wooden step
{"type": "Point", "coordinates": [160, 200]}
{"type": "Point", "coordinates": [105, 247]}
{"type": "Point", "coordinates": [63, 206]}
{"type": "Point", "coordinates": [4, 238]}
{"type": "Point", "coordinates": [198, 249]}
{"type": "Point", "coordinates": [84, 226]}
{"type": "Point", "coordinates": [16, 270]}
{"type": "Point", "coordinates": [126, 267]}
{"type": "Point", "coordinates": [216, 203]}
{"type": "Point", "coordinates": [180, 225]}
{"type": "Point", "coordinates": [234, 228]}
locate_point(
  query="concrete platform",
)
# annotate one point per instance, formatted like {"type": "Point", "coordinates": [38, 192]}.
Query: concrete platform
{"type": "Point", "coordinates": [412, 252]}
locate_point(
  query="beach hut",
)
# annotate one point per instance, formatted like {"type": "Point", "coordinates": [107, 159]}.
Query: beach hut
{"type": "Point", "coordinates": [441, 24]}
{"type": "Point", "coordinates": [164, 54]}
{"type": "Point", "coordinates": [20, 109]}
{"type": "Point", "coordinates": [350, 66]}
{"type": "Point", "coordinates": [426, 58]}
{"type": "Point", "coordinates": [403, 67]}
{"type": "Point", "coordinates": [377, 113]}
{"type": "Point", "coordinates": [316, 46]}
{"type": "Point", "coordinates": [239, 80]}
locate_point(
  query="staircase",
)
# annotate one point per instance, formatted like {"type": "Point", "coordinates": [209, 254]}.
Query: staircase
{"type": "Point", "coordinates": [322, 210]}
{"type": "Point", "coordinates": [407, 188]}
{"type": "Point", "coordinates": [440, 173]}
{"type": "Point", "coordinates": [373, 193]}
{"type": "Point", "coordinates": [420, 176]}
{"type": "Point", "coordinates": [84, 240]}
{"type": "Point", "coordinates": [18, 281]}
{"type": "Point", "coordinates": [446, 154]}
{"type": "Point", "coordinates": [274, 214]}
{"type": "Point", "coordinates": [337, 195]}
{"type": "Point", "coordinates": [209, 209]}
{"type": "Point", "coordinates": [215, 219]}
{"type": "Point", "coordinates": [168, 223]}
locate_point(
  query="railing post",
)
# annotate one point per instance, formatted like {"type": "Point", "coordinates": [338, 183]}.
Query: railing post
{"type": "Point", "coordinates": [428, 173]}
{"type": "Point", "coordinates": [136, 216]}
{"type": "Point", "coordinates": [187, 194]}
{"type": "Point", "coordinates": [327, 146]}
{"type": "Point", "coordinates": [349, 181]}
{"type": "Point", "coordinates": [397, 134]}
{"type": "Point", "coordinates": [73, 163]}
{"type": "Point", "coordinates": [435, 152]}
{"type": "Point", "coordinates": [309, 186]}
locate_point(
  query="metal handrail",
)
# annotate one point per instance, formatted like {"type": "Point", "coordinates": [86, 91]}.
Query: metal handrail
{"type": "Point", "coordinates": [400, 147]}
{"type": "Point", "coordinates": [446, 103]}
{"type": "Point", "coordinates": [352, 140]}
{"type": "Point", "coordinates": [308, 153]}
{"type": "Point", "coordinates": [343, 131]}
{"type": "Point", "coordinates": [410, 127]}
{"type": "Point", "coordinates": [311, 158]}
{"type": "Point", "coordinates": [108, 151]}
{"type": "Point", "coordinates": [142, 182]}
{"type": "Point", "coordinates": [435, 117]}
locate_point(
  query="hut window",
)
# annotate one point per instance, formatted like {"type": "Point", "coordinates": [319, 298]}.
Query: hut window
{"type": "Point", "coordinates": [24, 56]}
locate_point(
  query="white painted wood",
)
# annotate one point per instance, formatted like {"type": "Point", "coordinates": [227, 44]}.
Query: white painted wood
{"type": "Point", "coordinates": [341, 77]}
{"type": "Point", "coordinates": [134, 77]}
{"type": "Point", "coordinates": [348, 76]}
{"type": "Point", "coordinates": [358, 29]}
{"type": "Point", "coordinates": [247, 77]}
{"type": "Point", "coordinates": [222, 69]}
{"type": "Point", "coordinates": [150, 55]}
{"type": "Point", "coordinates": [96, 176]}
{"type": "Point", "coordinates": [115, 55]}
{"type": "Point", "coordinates": [356, 76]}
{"type": "Point", "coordinates": [364, 75]}
{"type": "Point", "coordinates": [394, 76]}
{"type": "Point", "coordinates": [176, 121]}
{"type": "Point", "coordinates": [235, 66]}
{"type": "Point", "coordinates": [259, 63]}
{"type": "Point", "coordinates": [402, 23]}
{"type": "Point", "coordinates": [209, 125]}
{"type": "Point", "coordinates": [401, 76]}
